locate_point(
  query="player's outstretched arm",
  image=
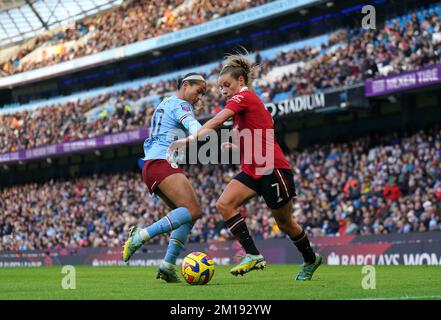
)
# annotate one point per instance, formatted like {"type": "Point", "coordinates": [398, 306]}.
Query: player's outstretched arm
{"type": "Point", "coordinates": [211, 124]}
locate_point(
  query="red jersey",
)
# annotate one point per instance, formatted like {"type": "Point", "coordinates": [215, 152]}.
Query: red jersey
{"type": "Point", "coordinates": [251, 116]}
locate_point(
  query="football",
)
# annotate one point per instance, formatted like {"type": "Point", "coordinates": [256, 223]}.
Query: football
{"type": "Point", "coordinates": [197, 268]}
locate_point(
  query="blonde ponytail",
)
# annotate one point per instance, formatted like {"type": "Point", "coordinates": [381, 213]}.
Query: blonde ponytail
{"type": "Point", "coordinates": [238, 65]}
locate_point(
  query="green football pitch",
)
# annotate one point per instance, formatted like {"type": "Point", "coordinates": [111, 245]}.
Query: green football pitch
{"type": "Point", "coordinates": [275, 282]}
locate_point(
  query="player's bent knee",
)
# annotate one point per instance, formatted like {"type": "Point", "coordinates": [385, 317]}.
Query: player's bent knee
{"type": "Point", "coordinates": [223, 208]}
{"type": "Point", "coordinates": [284, 224]}
{"type": "Point", "coordinates": [195, 212]}
{"type": "Point", "coordinates": [219, 206]}
{"type": "Point", "coordinates": [282, 227]}
{"type": "Point", "coordinates": [287, 228]}
{"type": "Point", "coordinates": [192, 207]}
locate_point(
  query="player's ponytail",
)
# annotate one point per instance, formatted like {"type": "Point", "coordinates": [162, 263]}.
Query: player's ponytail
{"type": "Point", "coordinates": [238, 65]}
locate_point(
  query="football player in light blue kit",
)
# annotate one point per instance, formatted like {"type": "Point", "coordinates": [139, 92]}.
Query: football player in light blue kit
{"type": "Point", "coordinates": [172, 116]}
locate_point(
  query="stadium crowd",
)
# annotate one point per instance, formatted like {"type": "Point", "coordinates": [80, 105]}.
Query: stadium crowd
{"type": "Point", "coordinates": [68, 122]}
{"type": "Point", "coordinates": [361, 54]}
{"type": "Point", "coordinates": [348, 58]}
{"type": "Point", "coordinates": [371, 185]}
{"type": "Point", "coordinates": [401, 47]}
{"type": "Point", "coordinates": [132, 21]}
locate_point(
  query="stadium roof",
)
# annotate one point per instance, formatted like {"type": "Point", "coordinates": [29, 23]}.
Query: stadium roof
{"type": "Point", "coordinates": [22, 19]}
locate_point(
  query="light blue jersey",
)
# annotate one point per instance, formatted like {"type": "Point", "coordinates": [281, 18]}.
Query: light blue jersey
{"type": "Point", "coordinates": [172, 118]}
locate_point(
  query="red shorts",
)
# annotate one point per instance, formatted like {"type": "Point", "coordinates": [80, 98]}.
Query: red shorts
{"type": "Point", "coordinates": [156, 170]}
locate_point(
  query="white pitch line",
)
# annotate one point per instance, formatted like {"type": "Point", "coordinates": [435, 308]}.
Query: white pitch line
{"type": "Point", "coordinates": [403, 298]}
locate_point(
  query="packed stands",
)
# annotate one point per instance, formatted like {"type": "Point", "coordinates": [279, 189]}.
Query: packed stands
{"type": "Point", "coordinates": [348, 57]}
{"type": "Point", "coordinates": [371, 185]}
{"type": "Point", "coordinates": [131, 22]}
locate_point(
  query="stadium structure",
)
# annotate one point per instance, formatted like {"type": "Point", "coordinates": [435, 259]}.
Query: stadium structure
{"type": "Point", "coordinates": [357, 110]}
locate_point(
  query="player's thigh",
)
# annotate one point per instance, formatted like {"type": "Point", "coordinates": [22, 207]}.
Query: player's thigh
{"type": "Point", "coordinates": [169, 203]}
{"type": "Point", "coordinates": [235, 194]}
{"type": "Point", "coordinates": [179, 191]}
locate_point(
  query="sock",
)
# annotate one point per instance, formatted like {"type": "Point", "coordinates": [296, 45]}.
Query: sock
{"type": "Point", "coordinates": [170, 222]}
{"type": "Point", "coordinates": [178, 238]}
{"type": "Point", "coordinates": [168, 265]}
{"type": "Point", "coordinates": [239, 229]}
{"type": "Point", "coordinates": [303, 245]}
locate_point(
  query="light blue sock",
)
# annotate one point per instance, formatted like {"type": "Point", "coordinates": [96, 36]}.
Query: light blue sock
{"type": "Point", "coordinates": [170, 222]}
{"type": "Point", "coordinates": [178, 238]}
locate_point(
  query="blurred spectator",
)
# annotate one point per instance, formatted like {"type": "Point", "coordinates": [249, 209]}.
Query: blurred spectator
{"type": "Point", "coordinates": [391, 191]}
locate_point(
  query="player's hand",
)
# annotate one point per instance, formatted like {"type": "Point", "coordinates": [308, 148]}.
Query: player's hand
{"type": "Point", "coordinates": [229, 146]}
{"type": "Point", "coordinates": [176, 147]}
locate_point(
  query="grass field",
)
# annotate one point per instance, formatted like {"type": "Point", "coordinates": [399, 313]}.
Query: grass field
{"type": "Point", "coordinates": [275, 282]}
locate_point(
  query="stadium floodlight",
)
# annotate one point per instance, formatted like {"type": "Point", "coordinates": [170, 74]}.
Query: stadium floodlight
{"type": "Point", "coordinates": [97, 153]}
{"type": "Point", "coordinates": [303, 11]}
{"type": "Point", "coordinates": [329, 4]}
{"type": "Point", "coordinates": [49, 160]}
{"type": "Point", "coordinates": [5, 167]}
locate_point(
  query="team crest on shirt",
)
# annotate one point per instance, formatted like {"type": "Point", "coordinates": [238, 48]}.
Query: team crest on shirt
{"type": "Point", "coordinates": [186, 107]}
{"type": "Point", "coordinates": [174, 165]}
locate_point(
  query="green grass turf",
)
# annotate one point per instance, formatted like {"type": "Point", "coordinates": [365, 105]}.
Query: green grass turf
{"type": "Point", "coordinates": [275, 282]}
